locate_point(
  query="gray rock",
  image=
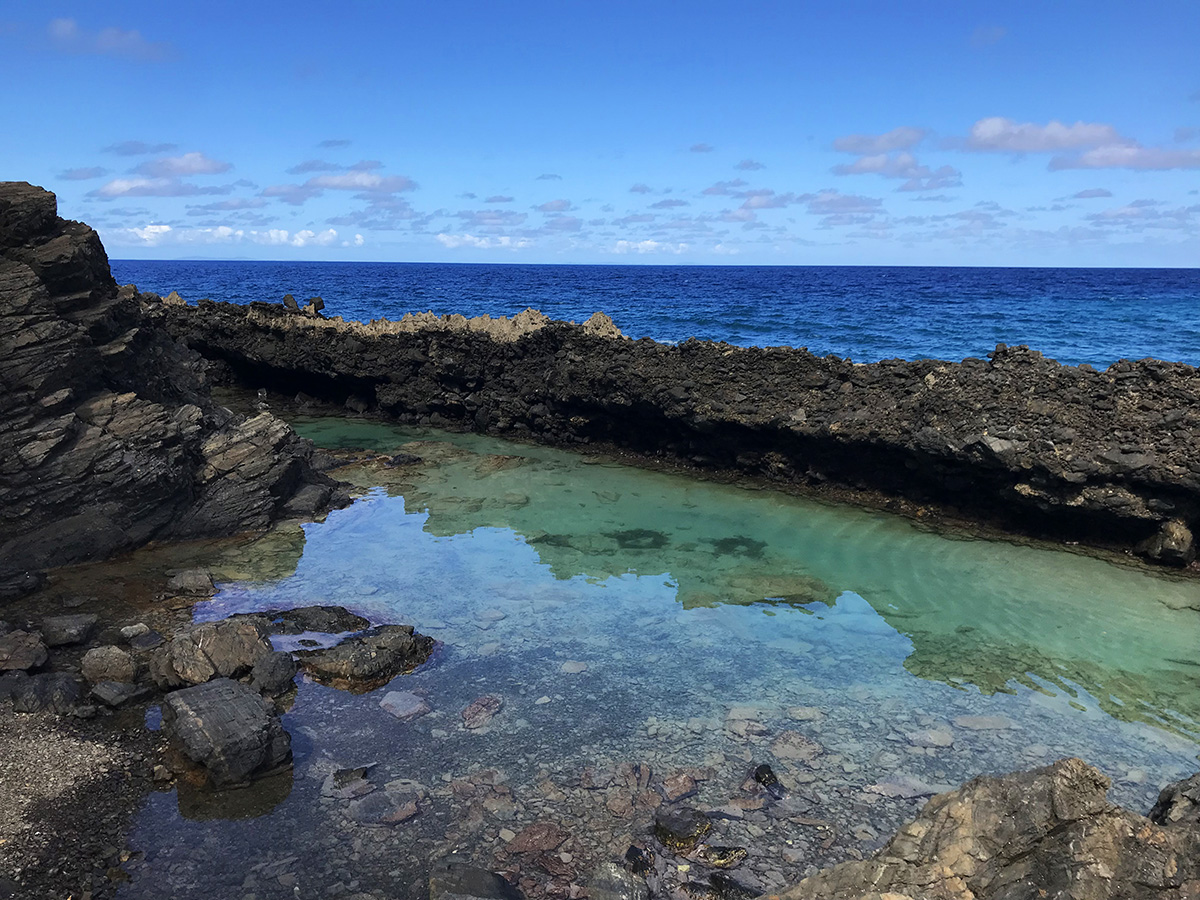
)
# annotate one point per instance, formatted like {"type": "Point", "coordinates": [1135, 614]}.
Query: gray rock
{"type": "Point", "coordinates": [58, 631]}
{"type": "Point", "coordinates": [452, 880]}
{"type": "Point", "coordinates": [229, 648]}
{"type": "Point", "coordinates": [129, 632]}
{"type": "Point", "coordinates": [57, 692]}
{"type": "Point", "coordinates": [273, 673]}
{"type": "Point", "coordinates": [191, 581]}
{"type": "Point", "coordinates": [117, 693]}
{"type": "Point", "coordinates": [150, 640]}
{"type": "Point", "coordinates": [21, 650]}
{"type": "Point", "coordinates": [325, 619]}
{"type": "Point", "coordinates": [108, 664]}
{"type": "Point", "coordinates": [227, 728]}
{"type": "Point", "coordinates": [679, 830]}
{"type": "Point", "coordinates": [367, 660]}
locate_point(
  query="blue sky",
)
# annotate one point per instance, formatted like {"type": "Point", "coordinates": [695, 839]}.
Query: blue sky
{"type": "Point", "coordinates": [933, 133]}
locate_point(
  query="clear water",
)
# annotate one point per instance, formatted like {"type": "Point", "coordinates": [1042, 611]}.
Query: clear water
{"type": "Point", "coordinates": [718, 628]}
{"type": "Point", "coordinates": [868, 313]}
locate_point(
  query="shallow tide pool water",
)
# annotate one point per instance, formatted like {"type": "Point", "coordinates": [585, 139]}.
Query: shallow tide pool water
{"type": "Point", "coordinates": [650, 635]}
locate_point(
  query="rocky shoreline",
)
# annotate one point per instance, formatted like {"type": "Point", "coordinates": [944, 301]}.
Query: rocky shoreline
{"type": "Point", "coordinates": [112, 440]}
{"type": "Point", "coordinates": [1107, 459]}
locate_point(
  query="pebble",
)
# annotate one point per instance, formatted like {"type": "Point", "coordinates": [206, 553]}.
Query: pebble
{"type": "Point", "coordinates": [541, 701]}
{"type": "Point", "coordinates": [573, 667]}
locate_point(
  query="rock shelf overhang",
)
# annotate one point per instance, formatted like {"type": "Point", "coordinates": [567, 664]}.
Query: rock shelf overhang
{"type": "Point", "coordinates": [1016, 440]}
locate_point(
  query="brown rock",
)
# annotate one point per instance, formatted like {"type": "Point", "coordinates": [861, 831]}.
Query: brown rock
{"type": "Point", "coordinates": [539, 837]}
{"type": "Point", "coordinates": [108, 664]}
{"type": "Point", "coordinates": [20, 650]}
{"type": "Point", "coordinates": [481, 710]}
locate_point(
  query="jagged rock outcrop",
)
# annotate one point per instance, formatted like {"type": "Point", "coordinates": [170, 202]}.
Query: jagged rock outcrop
{"type": "Point", "coordinates": [1107, 458]}
{"type": "Point", "coordinates": [108, 435]}
{"type": "Point", "coordinates": [1049, 833]}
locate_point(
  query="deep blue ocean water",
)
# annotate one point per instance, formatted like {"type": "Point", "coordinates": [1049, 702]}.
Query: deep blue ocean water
{"type": "Point", "coordinates": [866, 313]}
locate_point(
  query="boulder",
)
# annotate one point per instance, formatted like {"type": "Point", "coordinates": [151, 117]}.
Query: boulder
{"type": "Point", "coordinates": [1173, 544]}
{"type": "Point", "coordinates": [404, 705]}
{"type": "Point", "coordinates": [108, 664]}
{"type": "Point", "coordinates": [228, 648]}
{"type": "Point", "coordinates": [56, 692]}
{"type": "Point", "coordinates": [118, 693]}
{"type": "Point", "coordinates": [228, 729]}
{"type": "Point", "coordinates": [369, 659]}
{"type": "Point", "coordinates": [325, 619]}
{"type": "Point", "coordinates": [191, 581]}
{"type": "Point", "coordinates": [21, 650]}
{"type": "Point", "coordinates": [58, 631]}
{"type": "Point", "coordinates": [1046, 833]}
{"type": "Point", "coordinates": [680, 830]}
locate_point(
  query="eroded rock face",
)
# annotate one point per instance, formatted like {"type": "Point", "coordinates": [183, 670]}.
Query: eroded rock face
{"type": "Point", "coordinates": [108, 435]}
{"type": "Point", "coordinates": [229, 648]}
{"type": "Point", "coordinates": [227, 728]}
{"type": "Point", "coordinates": [1046, 833]}
{"type": "Point", "coordinates": [1107, 458]}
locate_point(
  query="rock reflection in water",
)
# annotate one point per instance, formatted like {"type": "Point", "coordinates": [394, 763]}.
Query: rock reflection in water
{"type": "Point", "coordinates": [653, 642]}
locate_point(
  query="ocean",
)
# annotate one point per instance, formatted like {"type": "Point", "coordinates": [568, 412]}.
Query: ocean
{"type": "Point", "coordinates": [866, 313]}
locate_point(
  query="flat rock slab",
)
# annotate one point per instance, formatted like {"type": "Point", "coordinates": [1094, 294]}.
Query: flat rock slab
{"type": "Point", "coordinates": [227, 728]}
{"type": "Point", "coordinates": [793, 746]}
{"type": "Point", "coordinates": [985, 723]}
{"type": "Point", "coordinates": [21, 650]}
{"type": "Point", "coordinates": [481, 710]}
{"type": "Point", "coordinates": [59, 631]}
{"type": "Point", "coordinates": [116, 693]}
{"type": "Point", "coordinates": [459, 881]}
{"type": "Point", "coordinates": [679, 830]}
{"type": "Point", "coordinates": [192, 581]}
{"type": "Point", "coordinates": [325, 619]}
{"type": "Point", "coordinates": [56, 692]}
{"type": "Point", "coordinates": [404, 705]}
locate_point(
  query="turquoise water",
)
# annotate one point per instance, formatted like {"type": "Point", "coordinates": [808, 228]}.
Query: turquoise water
{"type": "Point", "coordinates": [630, 617]}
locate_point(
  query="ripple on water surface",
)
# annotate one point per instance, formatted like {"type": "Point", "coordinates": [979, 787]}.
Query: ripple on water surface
{"type": "Point", "coordinates": [640, 627]}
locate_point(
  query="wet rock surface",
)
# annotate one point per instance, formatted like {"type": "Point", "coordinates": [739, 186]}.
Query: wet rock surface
{"type": "Point", "coordinates": [229, 648]}
{"type": "Point", "coordinates": [369, 659]}
{"type": "Point", "coordinates": [1107, 458]}
{"type": "Point", "coordinates": [110, 437]}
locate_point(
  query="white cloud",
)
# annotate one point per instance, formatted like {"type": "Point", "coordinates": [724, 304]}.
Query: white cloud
{"type": "Point", "coordinates": [454, 241]}
{"type": "Point", "coordinates": [640, 188]}
{"type": "Point", "coordinates": [154, 187]}
{"type": "Point", "coordinates": [649, 247]}
{"type": "Point", "coordinates": [1130, 157]}
{"type": "Point", "coordinates": [555, 206]}
{"type": "Point", "coordinates": [1003, 135]}
{"type": "Point", "coordinates": [151, 234]}
{"type": "Point", "coordinates": [188, 164]}
{"type": "Point", "coordinates": [69, 37]}
{"type": "Point", "coordinates": [358, 180]}
{"type": "Point", "coordinates": [1092, 193]}
{"type": "Point", "coordinates": [701, 148]}
{"type": "Point", "coordinates": [903, 138]}
{"type": "Point", "coordinates": [749, 165]}
{"type": "Point", "coordinates": [308, 238]}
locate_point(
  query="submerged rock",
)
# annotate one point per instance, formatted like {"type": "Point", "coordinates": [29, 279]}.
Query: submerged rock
{"type": "Point", "coordinates": [228, 729]}
{"type": "Point", "coordinates": [680, 830]}
{"type": "Point", "coordinates": [451, 880]}
{"type": "Point", "coordinates": [404, 706]}
{"type": "Point", "coordinates": [481, 710]}
{"type": "Point", "coordinates": [325, 619]}
{"type": "Point", "coordinates": [368, 660]}
{"type": "Point", "coordinates": [1046, 833]}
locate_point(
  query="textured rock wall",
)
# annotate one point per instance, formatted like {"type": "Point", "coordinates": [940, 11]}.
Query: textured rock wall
{"type": "Point", "coordinates": [1108, 458]}
{"type": "Point", "coordinates": [108, 436]}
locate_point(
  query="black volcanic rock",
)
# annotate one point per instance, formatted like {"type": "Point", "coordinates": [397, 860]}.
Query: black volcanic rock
{"type": "Point", "coordinates": [108, 434]}
{"type": "Point", "coordinates": [1108, 458]}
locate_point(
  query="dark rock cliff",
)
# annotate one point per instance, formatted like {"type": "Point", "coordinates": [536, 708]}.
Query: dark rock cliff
{"type": "Point", "coordinates": [1107, 458]}
{"type": "Point", "coordinates": [108, 436]}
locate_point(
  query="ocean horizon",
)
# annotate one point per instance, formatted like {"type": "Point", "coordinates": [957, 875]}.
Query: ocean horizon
{"type": "Point", "coordinates": [867, 313]}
